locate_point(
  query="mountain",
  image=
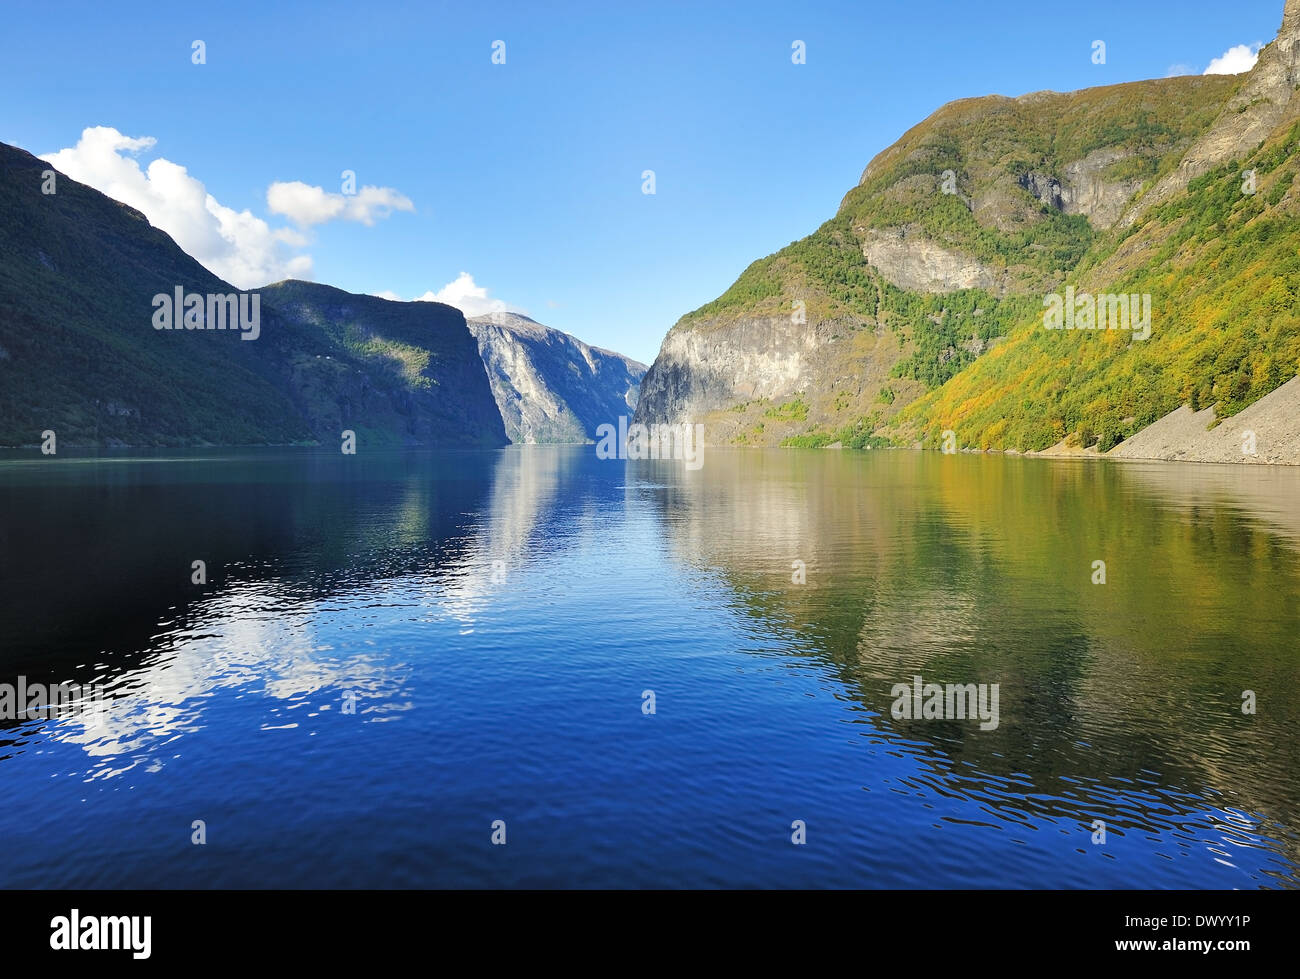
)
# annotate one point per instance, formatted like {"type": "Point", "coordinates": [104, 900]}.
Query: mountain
{"type": "Point", "coordinates": [919, 308]}
{"type": "Point", "coordinates": [549, 386]}
{"type": "Point", "coordinates": [80, 354]}
{"type": "Point", "coordinates": [421, 381]}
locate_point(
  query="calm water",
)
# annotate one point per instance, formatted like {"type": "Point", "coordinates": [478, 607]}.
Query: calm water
{"type": "Point", "coordinates": [498, 615]}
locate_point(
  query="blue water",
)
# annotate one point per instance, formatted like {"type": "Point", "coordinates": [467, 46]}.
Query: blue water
{"type": "Point", "coordinates": [496, 618]}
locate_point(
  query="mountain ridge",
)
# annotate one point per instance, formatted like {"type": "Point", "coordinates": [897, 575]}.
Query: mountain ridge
{"type": "Point", "coordinates": [81, 355]}
{"type": "Point", "coordinates": [549, 385]}
{"type": "Point", "coordinates": [902, 317]}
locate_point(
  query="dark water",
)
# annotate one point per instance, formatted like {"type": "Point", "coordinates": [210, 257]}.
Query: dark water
{"type": "Point", "coordinates": [498, 615]}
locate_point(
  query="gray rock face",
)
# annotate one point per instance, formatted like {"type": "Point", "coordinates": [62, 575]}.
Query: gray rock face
{"type": "Point", "coordinates": [1083, 190]}
{"type": "Point", "coordinates": [1086, 192]}
{"type": "Point", "coordinates": [698, 371]}
{"type": "Point", "coordinates": [909, 260]}
{"type": "Point", "coordinates": [549, 386]}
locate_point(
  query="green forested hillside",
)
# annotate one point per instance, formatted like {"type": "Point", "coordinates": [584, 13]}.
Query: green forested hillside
{"type": "Point", "coordinates": [1223, 270]}
{"type": "Point", "coordinates": [990, 144]}
{"type": "Point", "coordinates": [946, 249]}
{"type": "Point", "coordinates": [79, 354]}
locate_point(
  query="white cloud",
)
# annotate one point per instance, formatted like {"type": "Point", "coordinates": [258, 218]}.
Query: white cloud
{"type": "Point", "coordinates": [303, 203]}
{"type": "Point", "coordinates": [1235, 60]}
{"type": "Point", "coordinates": [308, 205]}
{"type": "Point", "coordinates": [387, 294]}
{"type": "Point", "coordinates": [1179, 69]}
{"type": "Point", "coordinates": [468, 296]}
{"type": "Point", "coordinates": [236, 245]}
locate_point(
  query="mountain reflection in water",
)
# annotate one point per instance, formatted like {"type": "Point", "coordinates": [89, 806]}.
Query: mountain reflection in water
{"type": "Point", "coordinates": [495, 618]}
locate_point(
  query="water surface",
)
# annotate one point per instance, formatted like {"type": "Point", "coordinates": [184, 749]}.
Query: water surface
{"type": "Point", "coordinates": [496, 618]}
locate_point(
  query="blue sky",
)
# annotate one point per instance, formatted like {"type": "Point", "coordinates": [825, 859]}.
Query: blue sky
{"type": "Point", "coordinates": [527, 175]}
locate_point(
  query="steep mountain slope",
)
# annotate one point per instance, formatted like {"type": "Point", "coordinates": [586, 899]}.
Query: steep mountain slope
{"type": "Point", "coordinates": [924, 295]}
{"type": "Point", "coordinates": [79, 353]}
{"type": "Point", "coordinates": [1214, 244]}
{"type": "Point", "coordinates": [405, 372]}
{"type": "Point", "coordinates": [1257, 109]}
{"type": "Point", "coordinates": [549, 386]}
{"type": "Point", "coordinates": [1222, 270]}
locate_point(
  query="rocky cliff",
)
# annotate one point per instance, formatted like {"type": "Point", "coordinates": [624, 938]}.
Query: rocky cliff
{"type": "Point", "coordinates": [917, 309]}
{"type": "Point", "coordinates": [549, 386]}
{"type": "Point", "coordinates": [1267, 101]}
{"type": "Point", "coordinates": [950, 238]}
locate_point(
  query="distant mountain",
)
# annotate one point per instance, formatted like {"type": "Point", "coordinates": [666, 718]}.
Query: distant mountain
{"type": "Point", "coordinates": [549, 386]}
{"type": "Point", "coordinates": [80, 354]}
{"type": "Point", "coordinates": [919, 308]}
